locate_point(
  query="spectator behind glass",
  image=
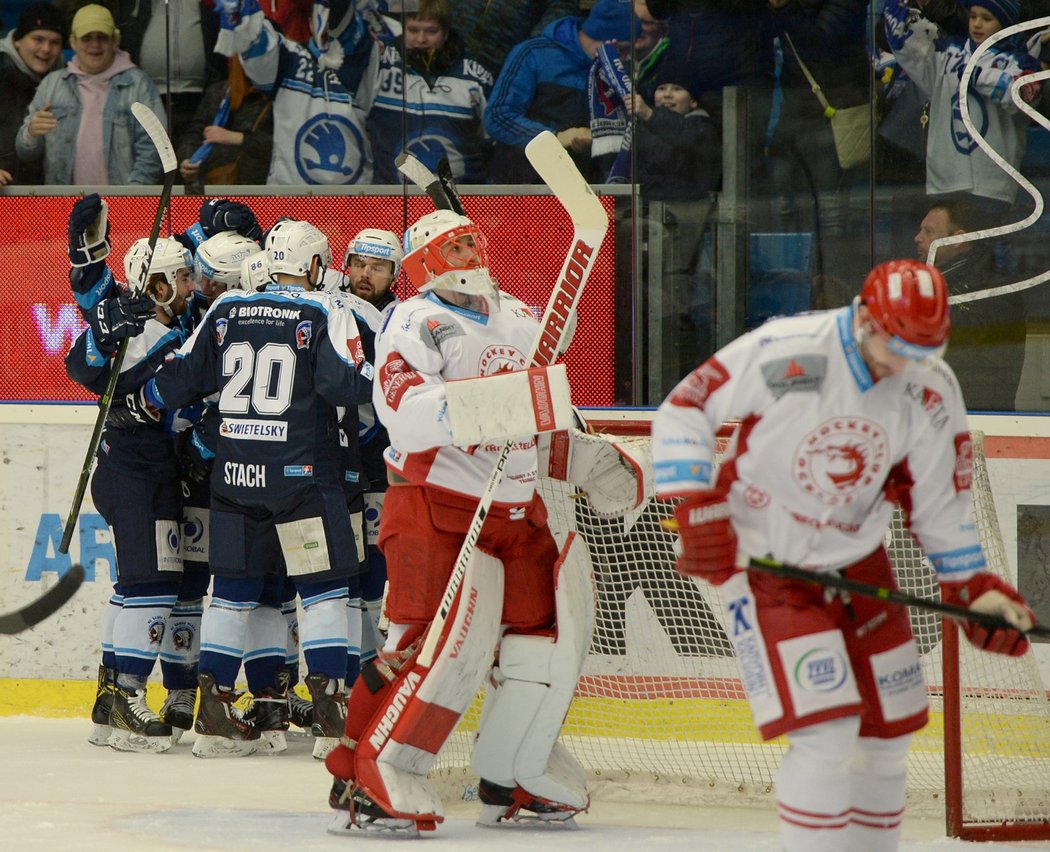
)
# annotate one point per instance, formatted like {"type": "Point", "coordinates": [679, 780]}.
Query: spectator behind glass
{"type": "Point", "coordinates": [490, 28]}
{"type": "Point", "coordinates": [174, 41]}
{"type": "Point", "coordinates": [80, 118]}
{"type": "Point", "coordinates": [444, 103]}
{"type": "Point", "coordinates": [543, 86]}
{"type": "Point", "coordinates": [954, 163]}
{"type": "Point", "coordinates": [242, 146]}
{"type": "Point", "coordinates": [988, 335]}
{"type": "Point", "coordinates": [27, 53]}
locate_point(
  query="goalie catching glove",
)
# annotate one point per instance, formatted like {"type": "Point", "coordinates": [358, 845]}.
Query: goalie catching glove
{"type": "Point", "coordinates": [987, 593]}
{"type": "Point", "coordinates": [89, 231]}
{"type": "Point", "coordinates": [614, 475]}
{"type": "Point", "coordinates": [707, 538]}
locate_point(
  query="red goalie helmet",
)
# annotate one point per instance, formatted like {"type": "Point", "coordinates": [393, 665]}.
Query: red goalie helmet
{"type": "Point", "coordinates": [909, 301]}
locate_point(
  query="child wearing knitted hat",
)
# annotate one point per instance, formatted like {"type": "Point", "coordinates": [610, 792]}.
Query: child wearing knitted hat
{"type": "Point", "coordinates": [955, 163]}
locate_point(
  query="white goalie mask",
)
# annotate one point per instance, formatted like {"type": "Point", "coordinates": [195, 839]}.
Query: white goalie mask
{"type": "Point", "coordinates": [169, 256]}
{"type": "Point", "coordinates": [219, 258]}
{"type": "Point", "coordinates": [291, 247]}
{"type": "Point", "coordinates": [255, 273]}
{"type": "Point", "coordinates": [376, 243]}
{"type": "Point", "coordinates": [446, 251]}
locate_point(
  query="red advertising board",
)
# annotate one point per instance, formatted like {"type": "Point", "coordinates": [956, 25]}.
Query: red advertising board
{"type": "Point", "coordinates": [528, 237]}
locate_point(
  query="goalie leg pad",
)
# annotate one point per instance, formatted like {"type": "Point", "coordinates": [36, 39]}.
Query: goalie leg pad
{"type": "Point", "coordinates": [531, 691]}
{"type": "Point", "coordinates": [400, 743]}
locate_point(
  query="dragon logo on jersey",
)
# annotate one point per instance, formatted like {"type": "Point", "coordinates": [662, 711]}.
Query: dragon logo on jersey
{"type": "Point", "coordinates": [220, 331]}
{"type": "Point", "coordinates": [500, 359]}
{"type": "Point", "coordinates": [329, 150]}
{"type": "Point", "coordinates": [840, 459]}
{"type": "Point", "coordinates": [303, 332]}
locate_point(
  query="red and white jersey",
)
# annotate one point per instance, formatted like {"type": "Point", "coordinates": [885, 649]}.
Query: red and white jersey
{"type": "Point", "coordinates": [823, 451]}
{"type": "Point", "coordinates": [425, 343]}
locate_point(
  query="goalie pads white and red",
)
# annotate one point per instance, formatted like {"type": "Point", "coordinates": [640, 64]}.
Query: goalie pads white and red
{"type": "Point", "coordinates": [616, 476]}
{"type": "Point", "coordinates": [508, 405]}
{"type": "Point", "coordinates": [530, 691]}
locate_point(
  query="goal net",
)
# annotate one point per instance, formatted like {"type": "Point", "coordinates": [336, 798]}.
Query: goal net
{"type": "Point", "coordinates": [660, 713]}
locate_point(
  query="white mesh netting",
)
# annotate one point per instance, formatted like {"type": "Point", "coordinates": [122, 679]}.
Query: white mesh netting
{"type": "Point", "coordinates": [660, 713]}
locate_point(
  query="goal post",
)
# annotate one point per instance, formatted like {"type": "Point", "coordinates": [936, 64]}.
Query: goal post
{"type": "Point", "coordinates": [660, 713]}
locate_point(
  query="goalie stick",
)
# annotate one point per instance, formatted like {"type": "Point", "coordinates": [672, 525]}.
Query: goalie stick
{"type": "Point", "coordinates": [155, 130]}
{"type": "Point", "coordinates": [855, 587]}
{"type": "Point", "coordinates": [590, 223]}
{"type": "Point", "coordinates": [443, 194]}
{"type": "Point", "coordinates": [45, 605]}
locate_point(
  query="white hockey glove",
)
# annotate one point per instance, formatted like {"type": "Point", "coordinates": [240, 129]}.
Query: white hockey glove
{"type": "Point", "coordinates": [508, 405]}
{"type": "Point", "coordinates": [616, 476]}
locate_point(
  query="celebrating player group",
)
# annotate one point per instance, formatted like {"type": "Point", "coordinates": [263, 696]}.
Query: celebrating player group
{"type": "Point", "coordinates": [292, 438]}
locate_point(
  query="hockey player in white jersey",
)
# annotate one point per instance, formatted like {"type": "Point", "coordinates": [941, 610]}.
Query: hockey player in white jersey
{"type": "Point", "coordinates": [461, 337]}
{"type": "Point", "coordinates": [842, 414]}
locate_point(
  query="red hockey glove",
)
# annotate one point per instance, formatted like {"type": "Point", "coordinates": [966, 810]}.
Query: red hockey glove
{"type": "Point", "coordinates": [707, 537]}
{"type": "Point", "coordinates": [987, 593]}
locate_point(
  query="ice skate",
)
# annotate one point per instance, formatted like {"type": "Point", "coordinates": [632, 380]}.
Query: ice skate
{"type": "Point", "coordinates": [329, 706]}
{"type": "Point", "coordinates": [178, 711]}
{"type": "Point", "coordinates": [501, 805]}
{"type": "Point", "coordinates": [220, 727]}
{"type": "Point", "coordinates": [269, 716]}
{"type": "Point", "coordinates": [355, 811]}
{"type": "Point", "coordinates": [135, 726]}
{"type": "Point", "coordinates": [100, 727]}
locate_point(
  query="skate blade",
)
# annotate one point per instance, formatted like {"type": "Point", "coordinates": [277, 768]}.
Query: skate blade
{"type": "Point", "coordinates": [493, 816]}
{"type": "Point", "coordinates": [342, 823]}
{"type": "Point", "coordinates": [272, 742]}
{"type": "Point", "coordinates": [209, 747]}
{"type": "Point", "coordinates": [177, 734]}
{"type": "Point", "coordinates": [324, 745]}
{"type": "Point", "coordinates": [100, 735]}
{"type": "Point", "coordinates": [122, 740]}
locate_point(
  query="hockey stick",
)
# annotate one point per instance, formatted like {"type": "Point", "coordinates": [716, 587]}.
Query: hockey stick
{"type": "Point", "coordinates": [430, 183]}
{"type": "Point", "coordinates": [448, 183]}
{"type": "Point", "coordinates": [45, 605]}
{"type": "Point", "coordinates": [151, 124]}
{"type": "Point", "coordinates": [590, 223]}
{"type": "Point", "coordinates": [881, 593]}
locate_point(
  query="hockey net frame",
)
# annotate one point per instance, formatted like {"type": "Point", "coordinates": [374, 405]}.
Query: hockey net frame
{"type": "Point", "coordinates": [660, 714]}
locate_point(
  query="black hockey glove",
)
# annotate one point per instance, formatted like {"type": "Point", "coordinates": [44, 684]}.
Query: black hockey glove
{"type": "Point", "coordinates": [89, 231]}
{"type": "Point", "coordinates": [120, 317]}
{"type": "Point", "coordinates": [221, 214]}
{"type": "Point", "coordinates": [135, 411]}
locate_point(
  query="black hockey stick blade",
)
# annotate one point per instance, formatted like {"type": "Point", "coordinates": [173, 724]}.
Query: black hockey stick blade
{"type": "Point", "coordinates": [866, 590]}
{"type": "Point", "coordinates": [155, 130]}
{"type": "Point", "coordinates": [448, 183]}
{"type": "Point", "coordinates": [47, 604]}
{"type": "Point", "coordinates": [418, 174]}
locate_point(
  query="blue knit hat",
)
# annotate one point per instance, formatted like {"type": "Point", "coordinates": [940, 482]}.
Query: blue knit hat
{"type": "Point", "coordinates": [611, 20]}
{"type": "Point", "coordinates": [1007, 12]}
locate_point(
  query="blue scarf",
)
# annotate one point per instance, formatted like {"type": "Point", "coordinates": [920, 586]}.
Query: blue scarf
{"type": "Point", "coordinates": [608, 86]}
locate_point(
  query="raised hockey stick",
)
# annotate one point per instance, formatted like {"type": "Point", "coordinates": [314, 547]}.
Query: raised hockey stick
{"type": "Point", "coordinates": [448, 183]}
{"type": "Point", "coordinates": [590, 223]}
{"type": "Point", "coordinates": [45, 605]}
{"type": "Point", "coordinates": [430, 183]}
{"type": "Point", "coordinates": [151, 124]}
{"type": "Point", "coordinates": [855, 587]}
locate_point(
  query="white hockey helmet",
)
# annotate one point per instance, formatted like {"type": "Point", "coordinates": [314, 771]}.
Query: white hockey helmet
{"type": "Point", "coordinates": [446, 251]}
{"type": "Point", "coordinates": [373, 242]}
{"type": "Point", "coordinates": [255, 273]}
{"type": "Point", "coordinates": [169, 256]}
{"type": "Point", "coordinates": [219, 257]}
{"type": "Point", "coordinates": [291, 247]}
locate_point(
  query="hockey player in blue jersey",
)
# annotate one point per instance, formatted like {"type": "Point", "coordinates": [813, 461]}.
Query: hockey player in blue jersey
{"type": "Point", "coordinates": [281, 362]}
{"type": "Point", "coordinates": [136, 484]}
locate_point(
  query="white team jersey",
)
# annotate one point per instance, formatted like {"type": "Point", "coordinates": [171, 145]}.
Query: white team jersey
{"type": "Point", "coordinates": [425, 343]}
{"type": "Point", "coordinates": [823, 450]}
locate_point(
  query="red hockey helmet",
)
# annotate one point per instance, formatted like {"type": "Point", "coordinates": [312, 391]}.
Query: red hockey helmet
{"type": "Point", "coordinates": [909, 301]}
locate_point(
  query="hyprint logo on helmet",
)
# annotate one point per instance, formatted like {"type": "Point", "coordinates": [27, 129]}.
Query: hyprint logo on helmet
{"type": "Point", "coordinates": [329, 150]}
{"type": "Point", "coordinates": [820, 670]}
{"type": "Point", "coordinates": [840, 459]}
